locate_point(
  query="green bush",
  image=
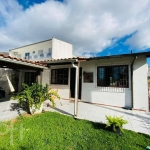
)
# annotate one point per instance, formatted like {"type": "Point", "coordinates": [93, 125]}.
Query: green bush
{"type": "Point", "coordinates": [115, 122]}
{"type": "Point", "coordinates": [35, 95]}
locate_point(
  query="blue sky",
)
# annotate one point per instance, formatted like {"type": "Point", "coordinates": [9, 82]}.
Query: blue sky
{"type": "Point", "coordinates": [27, 3]}
{"type": "Point", "coordinates": [96, 28]}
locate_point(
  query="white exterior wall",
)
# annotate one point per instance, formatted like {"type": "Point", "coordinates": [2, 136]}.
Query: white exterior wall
{"type": "Point", "coordinates": [114, 96]}
{"type": "Point", "coordinates": [140, 84]}
{"type": "Point", "coordinates": [33, 47]}
{"type": "Point", "coordinates": [63, 90]}
{"type": "Point", "coordinates": [61, 49]}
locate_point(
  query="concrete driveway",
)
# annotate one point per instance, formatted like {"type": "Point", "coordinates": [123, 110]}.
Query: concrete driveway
{"type": "Point", "coordinates": [138, 121]}
{"type": "Point", "coordinates": [9, 109]}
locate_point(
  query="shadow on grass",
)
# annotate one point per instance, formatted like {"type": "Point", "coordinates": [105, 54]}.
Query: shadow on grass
{"type": "Point", "coordinates": [62, 111]}
{"type": "Point", "coordinates": [102, 126]}
{"type": "Point", "coordinates": [23, 148]}
{"type": "Point", "coordinates": [97, 125]}
{"type": "Point", "coordinates": [146, 135]}
{"type": "Point", "coordinates": [141, 146]}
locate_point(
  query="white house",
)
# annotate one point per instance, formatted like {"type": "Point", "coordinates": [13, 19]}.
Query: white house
{"type": "Point", "coordinates": [119, 80]}
{"type": "Point", "coordinates": [49, 49]}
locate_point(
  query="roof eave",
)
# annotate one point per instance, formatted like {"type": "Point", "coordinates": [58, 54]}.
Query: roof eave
{"type": "Point", "coordinates": [59, 61]}
{"type": "Point", "coordinates": [22, 63]}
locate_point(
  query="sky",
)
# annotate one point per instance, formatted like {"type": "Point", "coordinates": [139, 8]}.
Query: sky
{"type": "Point", "coordinates": [94, 27]}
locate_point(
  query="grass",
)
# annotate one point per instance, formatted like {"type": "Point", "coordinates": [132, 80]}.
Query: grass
{"type": "Point", "coordinates": [53, 131]}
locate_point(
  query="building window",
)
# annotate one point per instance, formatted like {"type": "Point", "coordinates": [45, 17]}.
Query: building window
{"type": "Point", "coordinates": [40, 52]}
{"type": "Point", "coordinates": [48, 55]}
{"type": "Point", "coordinates": [35, 56]}
{"type": "Point", "coordinates": [27, 55]}
{"type": "Point", "coordinates": [41, 55]}
{"type": "Point", "coordinates": [49, 52]}
{"type": "Point", "coordinates": [113, 76]}
{"type": "Point", "coordinates": [59, 76]}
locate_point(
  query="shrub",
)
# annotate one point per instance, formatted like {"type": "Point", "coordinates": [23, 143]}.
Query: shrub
{"type": "Point", "coordinates": [35, 95]}
{"type": "Point", "coordinates": [115, 122]}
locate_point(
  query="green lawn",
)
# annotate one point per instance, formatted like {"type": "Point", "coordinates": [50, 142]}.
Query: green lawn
{"type": "Point", "coordinates": [53, 131]}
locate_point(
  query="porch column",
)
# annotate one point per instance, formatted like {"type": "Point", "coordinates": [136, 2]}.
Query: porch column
{"type": "Point", "coordinates": [38, 76]}
{"type": "Point", "coordinates": [76, 91]}
{"type": "Point", "coordinates": [21, 80]}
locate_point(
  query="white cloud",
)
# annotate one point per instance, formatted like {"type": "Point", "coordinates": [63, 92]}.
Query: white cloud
{"type": "Point", "coordinates": [140, 40]}
{"type": "Point", "coordinates": [89, 25]}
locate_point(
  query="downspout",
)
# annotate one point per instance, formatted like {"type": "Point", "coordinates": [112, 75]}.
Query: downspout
{"type": "Point", "coordinates": [132, 97]}
{"type": "Point", "coordinates": [76, 91]}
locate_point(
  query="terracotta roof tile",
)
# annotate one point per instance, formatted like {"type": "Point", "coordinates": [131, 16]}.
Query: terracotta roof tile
{"type": "Point", "coordinates": [23, 60]}
{"type": "Point", "coordinates": [79, 58]}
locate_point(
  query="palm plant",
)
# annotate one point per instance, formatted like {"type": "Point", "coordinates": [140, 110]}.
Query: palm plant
{"type": "Point", "coordinates": [35, 95]}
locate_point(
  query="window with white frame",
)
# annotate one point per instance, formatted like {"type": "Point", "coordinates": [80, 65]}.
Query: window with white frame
{"type": "Point", "coordinates": [27, 55]}
{"type": "Point", "coordinates": [40, 52]}
{"type": "Point", "coordinates": [113, 76]}
{"type": "Point", "coordinates": [59, 76]}
{"type": "Point", "coordinates": [49, 52]}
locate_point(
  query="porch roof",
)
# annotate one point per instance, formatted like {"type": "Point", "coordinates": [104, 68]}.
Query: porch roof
{"type": "Point", "coordinates": [17, 63]}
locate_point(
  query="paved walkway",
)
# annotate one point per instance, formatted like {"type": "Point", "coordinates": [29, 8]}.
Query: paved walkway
{"type": "Point", "coordinates": [137, 121]}
{"type": "Point", "coordinates": [9, 109]}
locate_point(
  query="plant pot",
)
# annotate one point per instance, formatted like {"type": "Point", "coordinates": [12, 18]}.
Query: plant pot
{"type": "Point", "coordinates": [34, 110]}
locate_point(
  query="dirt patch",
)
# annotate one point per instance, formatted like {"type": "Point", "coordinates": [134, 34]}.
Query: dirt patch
{"type": "Point", "coordinates": [27, 115]}
{"type": "Point", "coordinates": [14, 120]}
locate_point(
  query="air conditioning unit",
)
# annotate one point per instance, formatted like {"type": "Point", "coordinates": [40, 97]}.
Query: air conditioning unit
{"type": "Point", "coordinates": [15, 53]}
